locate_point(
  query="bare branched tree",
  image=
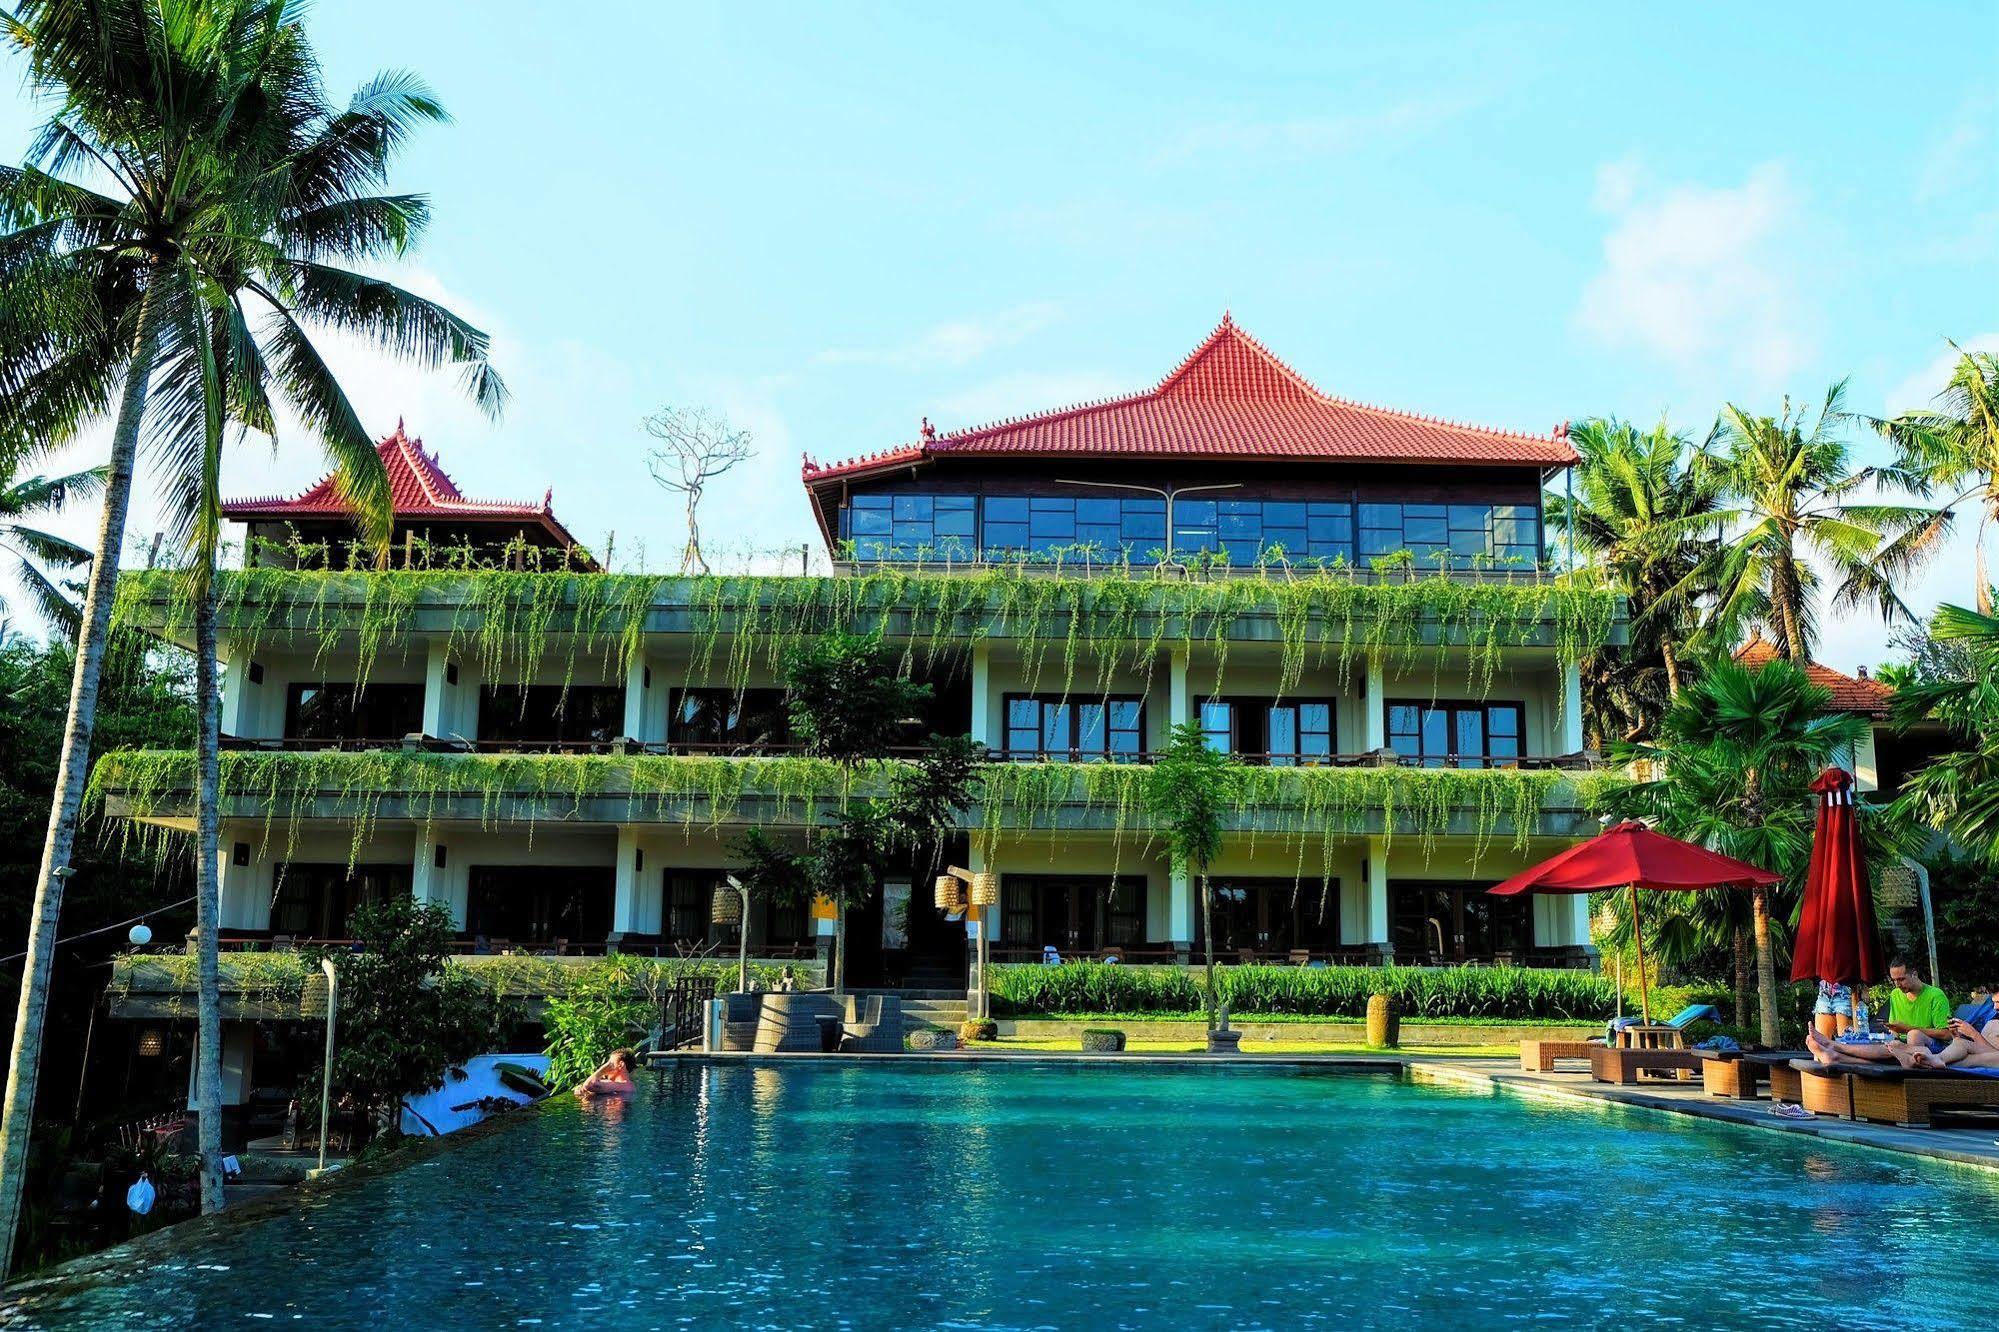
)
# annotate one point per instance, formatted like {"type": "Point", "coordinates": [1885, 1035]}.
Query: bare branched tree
{"type": "Point", "coordinates": [696, 446]}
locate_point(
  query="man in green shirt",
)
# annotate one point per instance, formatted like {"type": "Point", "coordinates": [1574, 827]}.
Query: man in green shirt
{"type": "Point", "coordinates": [1918, 1015]}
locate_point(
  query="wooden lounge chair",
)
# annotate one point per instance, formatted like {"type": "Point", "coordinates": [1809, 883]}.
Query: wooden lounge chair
{"type": "Point", "coordinates": [1738, 1074]}
{"type": "Point", "coordinates": [1615, 1064]}
{"type": "Point", "coordinates": [1891, 1094]}
{"type": "Point", "coordinates": [1540, 1056]}
{"type": "Point", "coordinates": [1301, 957]}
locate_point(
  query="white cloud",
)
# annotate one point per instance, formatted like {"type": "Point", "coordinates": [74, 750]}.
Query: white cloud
{"type": "Point", "coordinates": [1018, 394]}
{"type": "Point", "coordinates": [1920, 389]}
{"type": "Point", "coordinates": [954, 342]}
{"type": "Point", "coordinates": [1698, 275]}
{"type": "Point", "coordinates": [1959, 158]}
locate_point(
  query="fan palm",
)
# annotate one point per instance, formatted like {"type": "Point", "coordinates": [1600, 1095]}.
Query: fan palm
{"type": "Point", "coordinates": [1954, 446]}
{"type": "Point", "coordinates": [1647, 517]}
{"type": "Point", "coordinates": [24, 502]}
{"type": "Point", "coordinates": [1790, 499]}
{"type": "Point", "coordinates": [1737, 752]}
{"type": "Point", "coordinates": [235, 190]}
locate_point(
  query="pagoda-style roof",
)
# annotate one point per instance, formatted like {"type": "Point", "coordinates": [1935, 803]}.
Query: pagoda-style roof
{"type": "Point", "coordinates": [1858, 694]}
{"type": "Point", "coordinates": [419, 489]}
{"type": "Point", "coordinates": [1230, 400]}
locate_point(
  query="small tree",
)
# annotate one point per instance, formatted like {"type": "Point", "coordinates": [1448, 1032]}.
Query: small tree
{"type": "Point", "coordinates": [849, 698]}
{"type": "Point", "coordinates": [405, 1017]}
{"type": "Point", "coordinates": [695, 447]}
{"type": "Point", "coordinates": [1185, 794]}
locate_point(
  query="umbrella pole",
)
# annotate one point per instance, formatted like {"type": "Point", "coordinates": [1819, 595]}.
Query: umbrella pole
{"type": "Point", "coordinates": [1638, 938]}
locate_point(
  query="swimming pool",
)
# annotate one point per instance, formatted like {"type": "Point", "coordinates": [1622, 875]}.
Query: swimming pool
{"type": "Point", "coordinates": [1053, 1196]}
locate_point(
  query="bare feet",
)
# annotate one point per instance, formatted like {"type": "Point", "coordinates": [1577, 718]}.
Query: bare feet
{"type": "Point", "coordinates": [1908, 1056]}
{"type": "Point", "coordinates": [1821, 1048]}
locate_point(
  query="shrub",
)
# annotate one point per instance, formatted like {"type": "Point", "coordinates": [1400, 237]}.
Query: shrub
{"type": "Point", "coordinates": [1518, 993]}
{"type": "Point", "coordinates": [978, 1029]}
{"type": "Point", "coordinates": [1102, 1040]}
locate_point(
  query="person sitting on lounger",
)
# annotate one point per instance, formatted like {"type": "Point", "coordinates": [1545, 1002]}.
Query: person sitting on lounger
{"type": "Point", "coordinates": [1969, 1047]}
{"type": "Point", "coordinates": [1832, 1013]}
{"type": "Point", "coordinates": [1918, 1015]}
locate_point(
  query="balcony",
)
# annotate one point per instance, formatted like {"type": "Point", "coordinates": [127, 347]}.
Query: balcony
{"type": "Point", "coordinates": [1556, 797]}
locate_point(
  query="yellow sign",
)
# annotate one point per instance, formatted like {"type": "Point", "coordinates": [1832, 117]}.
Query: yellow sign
{"type": "Point", "coordinates": [823, 909]}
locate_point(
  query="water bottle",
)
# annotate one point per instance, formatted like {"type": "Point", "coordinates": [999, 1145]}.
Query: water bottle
{"type": "Point", "coordinates": [1860, 1018]}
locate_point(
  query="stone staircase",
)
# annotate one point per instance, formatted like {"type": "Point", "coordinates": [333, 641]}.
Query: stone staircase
{"type": "Point", "coordinates": [944, 1009]}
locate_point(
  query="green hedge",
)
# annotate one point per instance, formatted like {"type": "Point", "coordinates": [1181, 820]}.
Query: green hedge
{"type": "Point", "coordinates": [1421, 992]}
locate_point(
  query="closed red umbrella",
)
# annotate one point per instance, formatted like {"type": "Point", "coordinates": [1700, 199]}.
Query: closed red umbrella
{"type": "Point", "coordinates": [1630, 855]}
{"type": "Point", "coordinates": [1838, 938]}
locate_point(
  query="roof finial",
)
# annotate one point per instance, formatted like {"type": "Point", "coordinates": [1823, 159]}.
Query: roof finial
{"type": "Point", "coordinates": [399, 427]}
{"type": "Point", "coordinates": [929, 432]}
{"type": "Point", "coordinates": [1228, 319]}
{"type": "Point", "coordinates": [548, 499]}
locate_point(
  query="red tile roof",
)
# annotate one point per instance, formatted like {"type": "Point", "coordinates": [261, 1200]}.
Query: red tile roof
{"type": "Point", "coordinates": [419, 489]}
{"type": "Point", "coordinates": [1231, 399]}
{"type": "Point", "coordinates": [1849, 693]}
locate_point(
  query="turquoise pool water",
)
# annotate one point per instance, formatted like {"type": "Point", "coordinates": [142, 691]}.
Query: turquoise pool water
{"type": "Point", "coordinates": [1038, 1196]}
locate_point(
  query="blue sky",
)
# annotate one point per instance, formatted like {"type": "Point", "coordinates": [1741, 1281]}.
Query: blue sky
{"type": "Point", "coordinates": [831, 221]}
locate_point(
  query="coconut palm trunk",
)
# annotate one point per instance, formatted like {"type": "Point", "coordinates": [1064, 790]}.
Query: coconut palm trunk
{"type": "Point", "coordinates": [93, 635]}
{"type": "Point", "coordinates": [1740, 941]}
{"type": "Point", "coordinates": [207, 910]}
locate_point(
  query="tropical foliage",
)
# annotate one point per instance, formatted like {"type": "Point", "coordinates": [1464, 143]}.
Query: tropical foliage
{"type": "Point", "coordinates": [26, 502]}
{"type": "Point", "coordinates": [1187, 791]}
{"type": "Point", "coordinates": [1952, 446]}
{"type": "Point", "coordinates": [1957, 793]}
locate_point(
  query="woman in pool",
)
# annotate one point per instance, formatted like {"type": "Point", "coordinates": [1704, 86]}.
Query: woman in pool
{"type": "Point", "coordinates": [612, 1078]}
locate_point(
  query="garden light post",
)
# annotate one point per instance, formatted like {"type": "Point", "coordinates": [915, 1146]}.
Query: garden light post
{"type": "Point", "coordinates": [326, 1072]}
{"type": "Point", "coordinates": [981, 890]}
{"type": "Point", "coordinates": [1167, 493]}
{"type": "Point", "coordinates": [731, 906]}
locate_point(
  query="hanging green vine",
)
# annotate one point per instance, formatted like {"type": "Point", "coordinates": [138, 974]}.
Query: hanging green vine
{"type": "Point", "coordinates": [1086, 628]}
{"type": "Point", "coordinates": [1304, 805]}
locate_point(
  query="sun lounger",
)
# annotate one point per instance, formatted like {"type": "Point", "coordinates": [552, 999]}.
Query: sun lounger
{"type": "Point", "coordinates": [1890, 1094]}
{"type": "Point", "coordinates": [1670, 1034]}
{"type": "Point", "coordinates": [1738, 1074]}
{"type": "Point", "coordinates": [1615, 1064]}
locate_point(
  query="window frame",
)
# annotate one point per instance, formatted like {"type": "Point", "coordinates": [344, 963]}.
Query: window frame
{"type": "Point", "coordinates": [1452, 708]}
{"type": "Point", "coordinates": [1073, 752]}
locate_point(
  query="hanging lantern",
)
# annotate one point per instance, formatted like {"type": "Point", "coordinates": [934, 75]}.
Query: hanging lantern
{"type": "Point", "coordinates": [152, 1043]}
{"type": "Point", "coordinates": [726, 908]}
{"type": "Point", "coordinates": [1896, 889]}
{"type": "Point", "coordinates": [985, 889]}
{"type": "Point", "coordinates": [950, 894]}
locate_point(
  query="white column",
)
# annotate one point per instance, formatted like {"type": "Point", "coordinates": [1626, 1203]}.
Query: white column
{"type": "Point", "coordinates": [638, 700]}
{"type": "Point", "coordinates": [1374, 708]}
{"type": "Point", "coordinates": [980, 724]}
{"type": "Point", "coordinates": [1181, 887]}
{"type": "Point", "coordinates": [1866, 773]}
{"type": "Point", "coordinates": [240, 713]}
{"type": "Point", "coordinates": [627, 903]}
{"type": "Point", "coordinates": [439, 716]}
{"type": "Point", "coordinates": [1571, 741]}
{"type": "Point", "coordinates": [1377, 891]}
{"type": "Point", "coordinates": [243, 892]}
{"type": "Point", "coordinates": [1179, 700]}
{"type": "Point", "coordinates": [428, 879]}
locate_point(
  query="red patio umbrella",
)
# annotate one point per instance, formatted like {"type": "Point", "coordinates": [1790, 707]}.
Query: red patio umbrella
{"type": "Point", "coordinates": [1838, 939]}
{"type": "Point", "coordinates": [1630, 855]}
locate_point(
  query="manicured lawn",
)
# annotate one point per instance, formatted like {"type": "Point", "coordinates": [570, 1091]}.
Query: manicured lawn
{"type": "Point", "coordinates": [1071, 1043]}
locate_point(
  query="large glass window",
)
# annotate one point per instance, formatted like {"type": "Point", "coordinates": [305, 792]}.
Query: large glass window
{"type": "Point", "coordinates": [1064, 730]}
{"type": "Point", "coordinates": [689, 896]}
{"type": "Point", "coordinates": [333, 712]}
{"type": "Point", "coordinates": [708, 720]}
{"type": "Point", "coordinates": [1076, 914]}
{"type": "Point", "coordinates": [1073, 527]}
{"type": "Point", "coordinates": [317, 901]}
{"type": "Point", "coordinates": [1458, 532]}
{"type": "Point", "coordinates": [540, 904]}
{"type": "Point", "coordinates": [1434, 923]}
{"type": "Point", "coordinates": [911, 527]}
{"type": "Point", "coordinates": [1253, 529]}
{"type": "Point", "coordinates": [1457, 735]}
{"type": "Point", "coordinates": [1281, 732]}
{"type": "Point", "coordinates": [579, 715]}
{"type": "Point", "coordinates": [1273, 916]}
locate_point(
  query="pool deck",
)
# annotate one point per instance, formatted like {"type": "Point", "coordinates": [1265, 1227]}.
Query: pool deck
{"type": "Point", "coordinates": [1965, 1146]}
{"type": "Point", "coordinates": [1977, 1147]}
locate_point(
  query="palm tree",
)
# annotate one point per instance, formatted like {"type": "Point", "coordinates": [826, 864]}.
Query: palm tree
{"type": "Point", "coordinates": [1738, 750]}
{"type": "Point", "coordinates": [233, 185]}
{"type": "Point", "coordinates": [1647, 517]}
{"type": "Point", "coordinates": [1954, 446]}
{"type": "Point", "coordinates": [1957, 792]}
{"type": "Point", "coordinates": [1789, 487]}
{"type": "Point", "coordinates": [1186, 793]}
{"type": "Point", "coordinates": [23, 502]}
